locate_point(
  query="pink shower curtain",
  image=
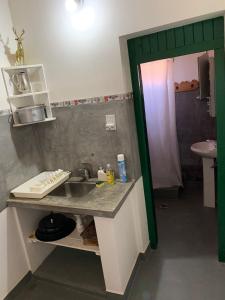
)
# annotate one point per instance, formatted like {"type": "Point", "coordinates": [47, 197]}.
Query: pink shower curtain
{"type": "Point", "coordinates": [159, 96]}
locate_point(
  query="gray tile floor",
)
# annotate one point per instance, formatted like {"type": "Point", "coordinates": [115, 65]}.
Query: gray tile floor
{"type": "Point", "coordinates": [184, 267]}
{"type": "Point", "coordinates": [77, 269]}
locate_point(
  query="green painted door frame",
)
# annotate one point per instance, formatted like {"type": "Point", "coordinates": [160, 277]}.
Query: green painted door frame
{"type": "Point", "coordinates": [196, 37]}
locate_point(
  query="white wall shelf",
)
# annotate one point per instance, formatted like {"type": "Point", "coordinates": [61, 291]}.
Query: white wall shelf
{"type": "Point", "coordinates": [22, 67]}
{"type": "Point", "coordinates": [46, 120]}
{"type": "Point", "coordinates": [27, 95]}
{"type": "Point", "coordinates": [74, 240]}
{"type": "Point", "coordinates": [36, 93]}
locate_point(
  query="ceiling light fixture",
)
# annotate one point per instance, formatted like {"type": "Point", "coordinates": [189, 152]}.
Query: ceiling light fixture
{"type": "Point", "coordinates": [84, 19]}
{"type": "Point", "coordinates": [73, 5]}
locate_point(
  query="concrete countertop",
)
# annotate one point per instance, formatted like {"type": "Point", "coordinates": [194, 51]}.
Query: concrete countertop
{"type": "Point", "coordinates": [104, 201]}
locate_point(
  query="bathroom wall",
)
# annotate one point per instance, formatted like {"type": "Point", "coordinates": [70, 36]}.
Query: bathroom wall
{"type": "Point", "coordinates": [86, 62]}
{"type": "Point", "coordinates": [19, 161]}
{"type": "Point", "coordinates": [79, 135]}
{"type": "Point", "coordinates": [20, 157]}
{"type": "Point", "coordinates": [189, 63]}
{"type": "Point", "coordinates": [7, 46]}
{"type": "Point", "coordinates": [19, 154]}
{"type": "Point", "coordinates": [193, 125]}
{"type": "Point", "coordinates": [186, 66]}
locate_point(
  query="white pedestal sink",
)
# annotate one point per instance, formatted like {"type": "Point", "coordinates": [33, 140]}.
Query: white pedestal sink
{"type": "Point", "coordinates": [208, 151]}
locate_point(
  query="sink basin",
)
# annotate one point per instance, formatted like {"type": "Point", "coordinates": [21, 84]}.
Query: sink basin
{"type": "Point", "coordinates": [207, 149]}
{"type": "Point", "coordinates": [208, 152]}
{"type": "Point", "coordinates": [73, 189]}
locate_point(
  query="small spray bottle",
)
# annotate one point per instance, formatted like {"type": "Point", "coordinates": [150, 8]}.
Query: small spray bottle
{"type": "Point", "coordinates": [122, 168]}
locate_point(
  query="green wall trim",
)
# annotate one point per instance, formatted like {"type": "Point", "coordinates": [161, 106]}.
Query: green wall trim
{"type": "Point", "coordinates": [196, 37]}
{"type": "Point", "coordinates": [220, 116]}
{"type": "Point", "coordinates": [191, 38]}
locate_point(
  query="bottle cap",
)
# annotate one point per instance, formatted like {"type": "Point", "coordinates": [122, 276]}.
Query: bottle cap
{"type": "Point", "coordinates": [120, 157]}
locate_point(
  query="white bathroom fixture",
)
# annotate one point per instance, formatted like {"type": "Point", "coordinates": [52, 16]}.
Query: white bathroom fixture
{"type": "Point", "coordinates": [208, 151]}
{"type": "Point", "coordinates": [73, 5]}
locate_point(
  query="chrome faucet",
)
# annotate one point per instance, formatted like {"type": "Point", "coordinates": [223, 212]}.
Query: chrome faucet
{"type": "Point", "coordinates": [85, 171]}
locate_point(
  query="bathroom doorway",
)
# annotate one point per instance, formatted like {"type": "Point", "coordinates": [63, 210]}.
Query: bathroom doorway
{"type": "Point", "coordinates": [180, 117]}
{"type": "Point", "coordinates": [179, 99]}
{"type": "Point", "coordinates": [198, 37]}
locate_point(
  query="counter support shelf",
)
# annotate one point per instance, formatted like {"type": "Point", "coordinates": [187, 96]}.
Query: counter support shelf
{"type": "Point", "coordinates": [74, 240]}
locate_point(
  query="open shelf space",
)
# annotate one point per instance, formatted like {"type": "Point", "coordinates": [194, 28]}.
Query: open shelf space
{"type": "Point", "coordinates": [26, 88]}
{"type": "Point", "coordinates": [22, 67]}
{"type": "Point", "coordinates": [28, 95]}
{"type": "Point", "coordinates": [80, 270]}
{"type": "Point", "coordinates": [33, 79]}
{"type": "Point", "coordinates": [74, 240]}
{"type": "Point", "coordinates": [26, 124]}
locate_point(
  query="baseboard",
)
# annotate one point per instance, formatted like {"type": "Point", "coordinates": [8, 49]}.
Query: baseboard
{"type": "Point", "coordinates": [167, 193]}
{"type": "Point", "coordinates": [19, 286]}
{"type": "Point", "coordinates": [143, 255]}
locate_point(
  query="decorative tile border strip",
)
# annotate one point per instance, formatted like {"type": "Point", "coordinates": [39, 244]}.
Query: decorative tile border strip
{"type": "Point", "coordinates": [95, 100]}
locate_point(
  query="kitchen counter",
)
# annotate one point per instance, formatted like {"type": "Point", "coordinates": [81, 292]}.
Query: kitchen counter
{"type": "Point", "coordinates": [120, 220]}
{"type": "Point", "coordinates": [104, 201]}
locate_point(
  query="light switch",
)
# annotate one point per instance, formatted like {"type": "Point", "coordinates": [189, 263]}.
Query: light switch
{"type": "Point", "coordinates": [110, 122]}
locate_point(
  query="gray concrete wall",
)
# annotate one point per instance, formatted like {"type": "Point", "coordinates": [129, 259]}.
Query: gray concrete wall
{"type": "Point", "coordinates": [79, 135]}
{"type": "Point", "coordinates": [193, 125]}
{"type": "Point", "coordinates": [19, 157]}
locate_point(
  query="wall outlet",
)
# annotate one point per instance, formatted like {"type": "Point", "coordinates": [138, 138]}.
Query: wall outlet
{"type": "Point", "coordinates": [110, 122]}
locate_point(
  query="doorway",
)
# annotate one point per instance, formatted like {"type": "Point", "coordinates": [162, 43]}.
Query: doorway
{"type": "Point", "coordinates": [197, 37]}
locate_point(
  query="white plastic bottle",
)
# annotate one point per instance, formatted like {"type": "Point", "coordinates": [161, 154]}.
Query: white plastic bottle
{"type": "Point", "coordinates": [102, 174]}
{"type": "Point", "coordinates": [122, 167]}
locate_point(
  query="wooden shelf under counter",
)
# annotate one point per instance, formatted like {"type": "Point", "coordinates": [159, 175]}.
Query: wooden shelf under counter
{"type": "Point", "coordinates": [74, 240]}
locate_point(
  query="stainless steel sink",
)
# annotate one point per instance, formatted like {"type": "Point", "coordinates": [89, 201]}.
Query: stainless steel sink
{"type": "Point", "coordinates": [73, 189]}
